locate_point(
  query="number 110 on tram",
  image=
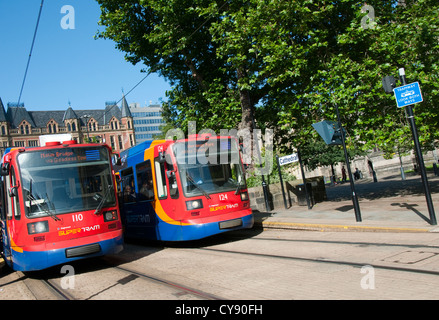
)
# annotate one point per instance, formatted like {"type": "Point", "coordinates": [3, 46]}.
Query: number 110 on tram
{"type": "Point", "coordinates": [58, 204]}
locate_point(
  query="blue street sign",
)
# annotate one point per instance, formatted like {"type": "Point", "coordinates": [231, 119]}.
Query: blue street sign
{"type": "Point", "coordinates": [408, 94]}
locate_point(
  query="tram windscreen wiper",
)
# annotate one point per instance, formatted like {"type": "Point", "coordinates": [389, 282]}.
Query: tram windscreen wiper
{"type": "Point", "coordinates": [104, 198]}
{"type": "Point", "coordinates": [40, 207]}
{"type": "Point", "coordinates": [238, 188]}
{"type": "Point", "coordinates": [197, 186]}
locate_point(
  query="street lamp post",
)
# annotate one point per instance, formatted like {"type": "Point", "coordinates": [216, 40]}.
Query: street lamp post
{"type": "Point", "coordinates": [86, 116]}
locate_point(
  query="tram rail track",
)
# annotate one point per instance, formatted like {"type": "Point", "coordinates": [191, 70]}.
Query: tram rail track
{"type": "Point", "coordinates": [123, 276]}
{"type": "Point", "coordinates": [172, 284]}
{"type": "Point", "coordinates": [359, 264]}
{"type": "Point", "coordinates": [359, 243]}
{"type": "Point", "coordinates": [45, 289]}
{"type": "Point", "coordinates": [328, 261]}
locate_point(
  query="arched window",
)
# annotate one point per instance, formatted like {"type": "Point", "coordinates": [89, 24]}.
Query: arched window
{"type": "Point", "coordinates": [92, 125]}
{"type": "Point", "coordinates": [114, 124]}
{"type": "Point", "coordinates": [52, 126]}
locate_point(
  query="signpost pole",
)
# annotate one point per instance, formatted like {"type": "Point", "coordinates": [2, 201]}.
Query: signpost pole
{"type": "Point", "coordinates": [308, 202]}
{"type": "Point", "coordinates": [411, 119]}
{"type": "Point", "coordinates": [351, 181]}
{"type": "Point", "coordinates": [281, 182]}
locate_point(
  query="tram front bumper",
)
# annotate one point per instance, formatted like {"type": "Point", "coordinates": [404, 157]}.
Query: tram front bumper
{"type": "Point", "coordinates": [66, 251]}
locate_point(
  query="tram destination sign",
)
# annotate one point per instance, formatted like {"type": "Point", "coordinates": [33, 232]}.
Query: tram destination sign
{"type": "Point", "coordinates": [288, 159]}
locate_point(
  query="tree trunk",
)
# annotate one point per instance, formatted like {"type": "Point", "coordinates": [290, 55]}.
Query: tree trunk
{"type": "Point", "coordinates": [247, 121]}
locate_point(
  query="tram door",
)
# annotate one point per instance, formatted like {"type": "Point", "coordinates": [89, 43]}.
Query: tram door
{"type": "Point", "coordinates": [3, 235]}
{"type": "Point", "coordinates": [136, 200]}
{"type": "Point", "coordinates": [6, 214]}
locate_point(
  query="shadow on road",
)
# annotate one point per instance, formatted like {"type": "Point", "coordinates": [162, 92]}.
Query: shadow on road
{"type": "Point", "coordinates": [384, 188]}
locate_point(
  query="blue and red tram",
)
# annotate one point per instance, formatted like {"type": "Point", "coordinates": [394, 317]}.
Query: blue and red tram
{"type": "Point", "coordinates": [58, 204]}
{"type": "Point", "coordinates": [183, 190]}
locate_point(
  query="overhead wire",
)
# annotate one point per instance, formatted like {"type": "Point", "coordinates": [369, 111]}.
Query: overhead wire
{"type": "Point", "coordinates": [30, 53]}
{"type": "Point", "coordinates": [124, 95]}
{"type": "Point", "coordinates": [151, 71]}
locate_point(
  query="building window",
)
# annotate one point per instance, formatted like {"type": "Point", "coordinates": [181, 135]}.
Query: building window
{"type": "Point", "coordinates": [92, 125]}
{"type": "Point", "coordinates": [112, 143]}
{"type": "Point", "coordinates": [19, 143]}
{"type": "Point", "coordinates": [114, 124]}
{"type": "Point", "coordinates": [120, 142]}
{"type": "Point", "coordinates": [51, 126]}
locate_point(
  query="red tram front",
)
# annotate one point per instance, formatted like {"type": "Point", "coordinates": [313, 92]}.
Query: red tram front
{"type": "Point", "coordinates": [184, 190]}
{"type": "Point", "coordinates": [59, 204]}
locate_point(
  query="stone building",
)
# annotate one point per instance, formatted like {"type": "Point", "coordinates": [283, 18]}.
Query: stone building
{"type": "Point", "coordinates": [112, 125]}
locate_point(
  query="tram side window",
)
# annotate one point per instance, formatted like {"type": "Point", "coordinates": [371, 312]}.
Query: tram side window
{"type": "Point", "coordinates": [8, 202]}
{"type": "Point", "coordinates": [162, 192]}
{"type": "Point", "coordinates": [173, 187]}
{"type": "Point", "coordinates": [128, 188]}
{"type": "Point", "coordinates": [144, 181]}
{"type": "Point", "coordinates": [14, 191]}
{"type": "Point", "coordinates": [3, 203]}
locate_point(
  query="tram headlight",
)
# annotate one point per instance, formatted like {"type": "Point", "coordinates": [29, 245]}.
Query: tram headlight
{"type": "Point", "coordinates": [110, 216]}
{"type": "Point", "coordinates": [244, 196]}
{"type": "Point", "coordinates": [194, 204]}
{"type": "Point", "coordinates": [37, 227]}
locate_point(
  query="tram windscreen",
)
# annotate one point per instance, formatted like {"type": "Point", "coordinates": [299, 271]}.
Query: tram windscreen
{"type": "Point", "coordinates": [57, 181]}
{"type": "Point", "coordinates": [210, 166]}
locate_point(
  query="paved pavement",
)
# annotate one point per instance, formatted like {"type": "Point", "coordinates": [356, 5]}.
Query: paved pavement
{"type": "Point", "coordinates": [389, 205]}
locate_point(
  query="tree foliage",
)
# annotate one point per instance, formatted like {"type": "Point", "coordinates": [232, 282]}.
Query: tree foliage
{"type": "Point", "coordinates": [289, 61]}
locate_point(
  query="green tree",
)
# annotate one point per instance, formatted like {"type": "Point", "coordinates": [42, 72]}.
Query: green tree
{"type": "Point", "coordinates": [289, 61]}
{"type": "Point", "coordinates": [173, 39]}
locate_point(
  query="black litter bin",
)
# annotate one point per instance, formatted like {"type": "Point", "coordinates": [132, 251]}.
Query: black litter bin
{"type": "Point", "coordinates": [301, 194]}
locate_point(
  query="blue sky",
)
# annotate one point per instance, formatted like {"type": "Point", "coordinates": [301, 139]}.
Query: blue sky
{"type": "Point", "coordinates": [66, 64]}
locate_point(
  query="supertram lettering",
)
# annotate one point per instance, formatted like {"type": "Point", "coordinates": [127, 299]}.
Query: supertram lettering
{"type": "Point", "coordinates": [78, 230]}
{"type": "Point", "coordinates": [227, 206]}
{"type": "Point", "coordinates": [95, 227]}
{"type": "Point", "coordinates": [67, 232]}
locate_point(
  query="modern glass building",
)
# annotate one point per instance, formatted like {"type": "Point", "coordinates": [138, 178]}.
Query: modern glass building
{"type": "Point", "coordinates": [147, 121]}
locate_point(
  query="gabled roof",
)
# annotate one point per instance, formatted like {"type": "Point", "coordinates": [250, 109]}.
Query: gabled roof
{"type": "Point", "coordinates": [16, 115]}
{"type": "Point", "coordinates": [2, 112]}
{"type": "Point", "coordinates": [70, 114]}
{"type": "Point", "coordinates": [111, 110]}
{"type": "Point", "coordinates": [41, 118]}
